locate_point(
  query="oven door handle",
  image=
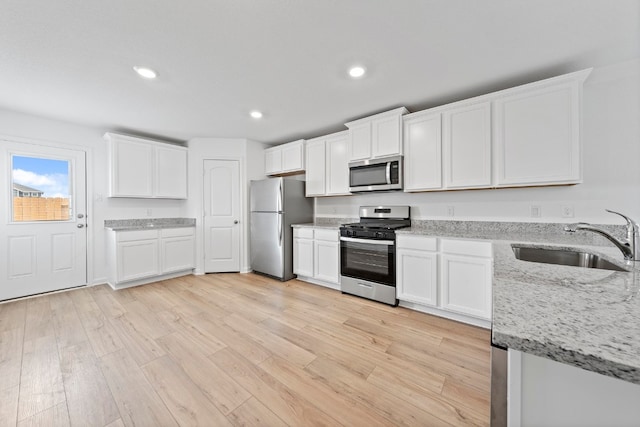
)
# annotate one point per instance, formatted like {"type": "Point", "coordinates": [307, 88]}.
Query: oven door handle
{"type": "Point", "coordinates": [368, 241]}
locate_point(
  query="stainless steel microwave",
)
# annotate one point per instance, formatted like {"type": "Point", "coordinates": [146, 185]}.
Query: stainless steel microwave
{"type": "Point", "coordinates": [382, 174]}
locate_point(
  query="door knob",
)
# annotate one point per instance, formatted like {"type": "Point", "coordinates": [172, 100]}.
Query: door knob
{"type": "Point", "coordinates": [235, 222]}
{"type": "Point", "coordinates": [80, 225]}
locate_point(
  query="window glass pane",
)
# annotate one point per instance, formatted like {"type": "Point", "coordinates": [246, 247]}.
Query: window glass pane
{"type": "Point", "coordinates": [40, 189]}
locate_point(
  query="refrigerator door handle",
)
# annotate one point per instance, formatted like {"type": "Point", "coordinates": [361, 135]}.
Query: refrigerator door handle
{"type": "Point", "coordinates": [280, 197]}
{"type": "Point", "coordinates": [280, 230]}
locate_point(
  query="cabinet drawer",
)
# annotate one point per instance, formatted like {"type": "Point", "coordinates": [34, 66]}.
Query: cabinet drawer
{"type": "Point", "coordinates": [129, 236]}
{"type": "Point", "coordinates": [420, 243]}
{"type": "Point", "coordinates": [329, 235]}
{"type": "Point", "coordinates": [467, 247]}
{"type": "Point", "coordinates": [177, 232]}
{"type": "Point", "coordinates": [303, 233]}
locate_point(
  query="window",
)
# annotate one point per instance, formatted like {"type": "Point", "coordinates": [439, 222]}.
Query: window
{"type": "Point", "coordinates": [40, 189]}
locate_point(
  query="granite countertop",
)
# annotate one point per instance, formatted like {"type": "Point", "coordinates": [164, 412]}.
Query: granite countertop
{"type": "Point", "coordinates": [148, 223]}
{"type": "Point", "coordinates": [584, 317]}
{"type": "Point", "coordinates": [327, 223]}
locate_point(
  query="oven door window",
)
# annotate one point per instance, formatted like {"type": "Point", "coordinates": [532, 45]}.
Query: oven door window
{"type": "Point", "coordinates": [368, 261]}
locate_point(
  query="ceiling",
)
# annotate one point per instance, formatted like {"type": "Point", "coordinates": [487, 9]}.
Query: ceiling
{"type": "Point", "coordinates": [219, 59]}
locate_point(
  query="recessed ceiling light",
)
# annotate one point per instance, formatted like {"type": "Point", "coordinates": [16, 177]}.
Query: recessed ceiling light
{"type": "Point", "coordinates": [357, 71]}
{"type": "Point", "coordinates": [145, 72]}
{"type": "Point", "coordinates": [256, 114]}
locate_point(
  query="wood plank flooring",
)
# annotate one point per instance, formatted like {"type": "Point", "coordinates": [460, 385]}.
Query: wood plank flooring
{"type": "Point", "coordinates": [232, 349]}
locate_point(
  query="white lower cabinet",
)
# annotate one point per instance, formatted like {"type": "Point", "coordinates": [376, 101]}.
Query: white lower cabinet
{"type": "Point", "coordinates": [137, 256]}
{"type": "Point", "coordinates": [143, 256]}
{"type": "Point", "coordinates": [177, 249]}
{"type": "Point", "coordinates": [453, 277]}
{"type": "Point", "coordinates": [417, 270]}
{"type": "Point", "coordinates": [316, 255]}
{"type": "Point", "coordinates": [303, 252]}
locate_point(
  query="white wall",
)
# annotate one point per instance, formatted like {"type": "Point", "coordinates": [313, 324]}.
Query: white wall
{"type": "Point", "coordinates": [26, 128]}
{"type": "Point", "coordinates": [251, 158]}
{"type": "Point", "coordinates": [611, 154]}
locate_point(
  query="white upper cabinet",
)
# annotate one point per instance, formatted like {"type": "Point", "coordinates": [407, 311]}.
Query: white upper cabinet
{"type": "Point", "coordinates": [376, 136]}
{"type": "Point", "coordinates": [523, 136]}
{"type": "Point", "coordinates": [423, 151]}
{"type": "Point", "coordinates": [141, 168]}
{"type": "Point", "coordinates": [285, 159]}
{"type": "Point", "coordinates": [337, 164]}
{"type": "Point", "coordinates": [327, 171]}
{"type": "Point", "coordinates": [467, 146]}
{"type": "Point", "coordinates": [171, 172]}
{"type": "Point", "coordinates": [537, 132]}
{"type": "Point", "coordinates": [315, 174]}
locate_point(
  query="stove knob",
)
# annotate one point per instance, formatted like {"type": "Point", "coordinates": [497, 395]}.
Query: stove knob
{"type": "Point", "coordinates": [380, 234]}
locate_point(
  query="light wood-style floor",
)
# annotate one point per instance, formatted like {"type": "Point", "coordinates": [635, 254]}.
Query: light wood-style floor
{"type": "Point", "coordinates": [231, 349]}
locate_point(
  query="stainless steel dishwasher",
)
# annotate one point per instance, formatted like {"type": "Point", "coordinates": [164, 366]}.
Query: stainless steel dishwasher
{"type": "Point", "coordinates": [499, 384]}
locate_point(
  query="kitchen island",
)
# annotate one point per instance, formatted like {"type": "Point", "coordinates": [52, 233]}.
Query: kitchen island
{"type": "Point", "coordinates": [572, 333]}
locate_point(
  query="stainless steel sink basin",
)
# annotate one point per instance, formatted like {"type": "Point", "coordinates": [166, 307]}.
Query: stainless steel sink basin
{"type": "Point", "coordinates": [564, 257]}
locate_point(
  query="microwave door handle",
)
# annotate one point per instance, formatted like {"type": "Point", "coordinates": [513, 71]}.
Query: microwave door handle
{"type": "Point", "coordinates": [389, 173]}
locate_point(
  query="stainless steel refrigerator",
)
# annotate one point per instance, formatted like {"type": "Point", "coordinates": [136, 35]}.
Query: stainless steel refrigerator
{"type": "Point", "coordinates": [276, 203]}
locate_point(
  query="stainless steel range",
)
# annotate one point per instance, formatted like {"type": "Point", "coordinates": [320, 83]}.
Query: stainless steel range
{"type": "Point", "coordinates": [368, 252]}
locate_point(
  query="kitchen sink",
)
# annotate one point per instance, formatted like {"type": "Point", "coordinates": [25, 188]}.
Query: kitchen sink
{"type": "Point", "coordinates": [564, 257]}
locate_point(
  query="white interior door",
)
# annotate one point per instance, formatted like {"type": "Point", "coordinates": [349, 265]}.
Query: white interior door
{"type": "Point", "coordinates": [221, 216]}
{"type": "Point", "coordinates": [43, 237]}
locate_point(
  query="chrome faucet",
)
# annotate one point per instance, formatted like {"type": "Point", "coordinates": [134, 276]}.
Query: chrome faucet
{"type": "Point", "coordinates": [628, 246]}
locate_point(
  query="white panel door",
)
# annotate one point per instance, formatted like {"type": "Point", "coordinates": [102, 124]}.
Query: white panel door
{"type": "Point", "coordinates": [315, 173]}
{"type": "Point", "coordinates": [386, 136]}
{"type": "Point", "coordinates": [337, 165]}
{"type": "Point", "coordinates": [171, 172]}
{"type": "Point", "coordinates": [43, 237]}
{"type": "Point", "coordinates": [327, 261]}
{"type": "Point", "coordinates": [538, 136]}
{"type": "Point", "coordinates": [466, 285]}
{"type": "Point", "coordinates": [423, 153]}
{"type": "Point", "coordinates": [467, 146]}
{"type": "Point", "coordinates": [221, 215]}
{"type": "Point", "coordinates": [417, 276]}
{"type": "Point", "coordinates": [303, 257]}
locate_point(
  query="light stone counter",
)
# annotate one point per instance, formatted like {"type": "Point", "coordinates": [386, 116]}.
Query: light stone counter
{"type": "Point", "coordinates": [148, 223]}
{"type": "Point", "coordinates": [327, 223]}
{"type": "Point", "coordinates": [584, 317]}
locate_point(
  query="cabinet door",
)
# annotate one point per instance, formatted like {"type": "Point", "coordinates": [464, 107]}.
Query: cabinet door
{"type": "Point", "coordinates": [137, 259]}
{"type": "Point", "coordinates": [423, 153]}
{"type": "Point", "coordinates": [177, 253]}
{"type": "Point", "coordinates": [466, 285]}
{"type": "Point", "coordinates": [171, 172]}
{"type": "Point", "coordinates": [303, 257]}
{"type": "Point", "coordinates": [386, 136]}
{"type": "Point", "coordinates": [272, 161]}
{"type": "Point", "coordinates": [360, 141]}
{"type": "Point", "coordinates": [538, 136]}
{"type": "Point", "coordinates": [131, 169]}
{"type": "Point", "coordinates": [315, 173]}
{"type": "Point", "coordinates": [327, 261]}
{"type": "Point", "coordinates": [467, 146]}
{"type": "Point", "coordinates": [293, 156]}
{"type": "Point", "coordinates": [417, 276]}
{"type": "Point", "coordinates": [337, 171]}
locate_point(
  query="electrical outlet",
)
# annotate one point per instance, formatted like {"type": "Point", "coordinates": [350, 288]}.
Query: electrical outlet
{"type": "Point", "coordinates": [536, 211]}
{"type": "Point", "coordinates": [451, 211]}
{"type": "Point", "coordinates": [567, 212]}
